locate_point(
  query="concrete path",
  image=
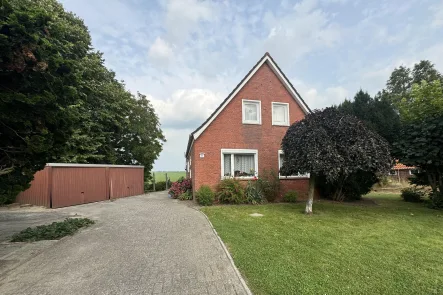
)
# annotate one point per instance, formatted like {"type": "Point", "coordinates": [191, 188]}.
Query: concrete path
{"type": "Point", "coordinates": [140, 245]}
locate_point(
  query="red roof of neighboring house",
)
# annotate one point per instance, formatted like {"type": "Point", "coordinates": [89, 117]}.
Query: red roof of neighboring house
{"type": "Point", "coordinates": [400, 166]}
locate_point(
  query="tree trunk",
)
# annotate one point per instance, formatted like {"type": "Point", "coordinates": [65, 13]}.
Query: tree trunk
{"type": "Point", "coordinates": [308, 209]}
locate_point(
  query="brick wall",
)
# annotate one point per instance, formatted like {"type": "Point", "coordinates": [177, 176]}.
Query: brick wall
{"type": "Point", "coordinates": [402, 176]}
{"type": "Point", "coordinates": [227, 131]}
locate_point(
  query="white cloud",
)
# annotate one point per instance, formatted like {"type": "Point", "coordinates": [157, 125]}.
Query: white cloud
{"type": "Point", "coordinates": [438, 15]}
{"type": "Point", "coordinates": [337, 94]}
{"type": "Point", "coordinates": [305, 29]}
{"type": "Point", "coordinates": [182, 16]}
{"type": "Point", "coordinates": [319, 99]}
{"type": "Point", "coordinates": [160, 52]}
{"type": "Point", "coordinates": [305, 6]}
{"type": "Point", "coordinates": [186, 108]}
{"type": "Point", "coordinates": [434, 54]}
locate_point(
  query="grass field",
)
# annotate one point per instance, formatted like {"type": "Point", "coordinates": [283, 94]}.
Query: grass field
{"type": "Point", "coordinates": [386, 247]}
{"type": "Point", "coordinates": [173, 175]}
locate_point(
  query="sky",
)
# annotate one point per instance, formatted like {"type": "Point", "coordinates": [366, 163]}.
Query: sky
{"type": "Point", "coordinates": [186, 56]}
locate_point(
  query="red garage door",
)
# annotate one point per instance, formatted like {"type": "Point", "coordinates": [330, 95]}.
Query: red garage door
{"type": "Point", "coordinates": [124, 182]}
{"type": "Point", "coordinates": [75, 185]}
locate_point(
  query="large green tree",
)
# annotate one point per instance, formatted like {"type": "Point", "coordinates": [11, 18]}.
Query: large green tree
{"type": "Point", "coordinates": [335, 146]}
{"type": "Point", "coordinates": [376, 112]}
{"type": "Point", "coordinates": [113, 126]}
{"type": "Point", "coordinates": [59, 103]}
{"type": "Point", "coordinates": [141, 139]}
{"type": "Point", "coordinates": [420, 142]}
{"type": "Point", "coordinates": [40, 46]}
{"type": "Point", "coordinates": [399, 84]}
{"type": "Point", "coordinates": [417, 96]}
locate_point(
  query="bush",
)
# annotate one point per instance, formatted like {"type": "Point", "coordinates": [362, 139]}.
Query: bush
{"type": "Point", "coordinates": [412, 194]}
{"type": "Point", "coordinates": [7, 199]}
{"type": "Point", "coordinates": [11, 185]}
{"type": "Point", "coordinates": [53, 231]}
{"type": "Point", "coordinates": [351, 189]}
{"type": "Point", "coordinates": [231, 191]}
{"type": "Point", "coordinates": [435, 200]}
{"type": "Point", "coordinates": [185, 196]}
{"type": "Point", "coordinates": [383, 181]}
{"type": "Point", "coordinates": [290, 197]}
{"type": "Point", "coordinates": [160, 186]}
{"type": "Point", "coordinates": [205, 195]}
{"type": "Point", "coordinates": [254, 193]}
{"type": "Point", "coordinates": [269, 182]}
{"type": "Point", "coordinates": [148, 187]}
{"type": "Point", "coordinates": [179, 187]}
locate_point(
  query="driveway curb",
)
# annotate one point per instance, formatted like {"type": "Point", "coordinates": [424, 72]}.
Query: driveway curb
{"type": "Point", "coordinates": [242, 281]}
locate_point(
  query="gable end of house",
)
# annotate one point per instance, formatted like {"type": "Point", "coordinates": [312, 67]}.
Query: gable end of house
{"type": "Point", "coordinates": [277, 71]}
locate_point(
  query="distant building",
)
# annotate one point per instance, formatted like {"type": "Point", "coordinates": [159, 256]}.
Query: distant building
{"type": "Point", "coordinates": [401, 172]}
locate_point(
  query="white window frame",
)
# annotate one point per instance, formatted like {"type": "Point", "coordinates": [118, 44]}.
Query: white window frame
{"type": "Point", "coordinates": [233, 152]}
{"type": "Point", "coordinates": [244, 121]}
{"type": "Point", "coordinates": [300, 176]}
{"type": "Point", "coordinates": [287, 111]}
{"type": "Point", "coordinates": [395, 172]}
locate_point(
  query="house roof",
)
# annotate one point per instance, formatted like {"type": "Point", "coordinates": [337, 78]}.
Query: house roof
{"type": "Point", "coordinates": [400, 166]}
{"type": "Point", "coordinates": [276, 69]}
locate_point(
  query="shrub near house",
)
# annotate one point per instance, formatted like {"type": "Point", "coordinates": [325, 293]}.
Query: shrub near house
{"type": "Point", "coordinates": [205, 195]}
{"type": "Point", "coordinates": [181, 189]}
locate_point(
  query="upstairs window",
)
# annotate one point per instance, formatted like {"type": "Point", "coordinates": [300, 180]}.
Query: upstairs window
{"type": "Point", "coordinates": [239, 163]}
{"type": "Point", "coordinates": [280, 114]}
{"type": "Point", "coordinates": [251, 110]}
{"type": "Point", "coordinates": [281, 159]}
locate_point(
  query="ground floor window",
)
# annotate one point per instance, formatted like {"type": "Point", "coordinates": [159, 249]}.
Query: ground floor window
{"type": "Point", "coordinates": [239, 163]}
{"type": "Point", "coordinates": [393, 172]}
{"type": "Point", "coordinates": [281, 159]}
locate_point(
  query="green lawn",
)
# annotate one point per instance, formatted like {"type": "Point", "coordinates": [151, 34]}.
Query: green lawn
{"type": "Point", "coordinates": [173, 175]}
{"type": "Point", "coordinates": [391, 247]}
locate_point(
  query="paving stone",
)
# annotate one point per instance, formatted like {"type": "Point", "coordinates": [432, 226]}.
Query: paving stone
{"type": "Point", "coordinates": [139, 245]}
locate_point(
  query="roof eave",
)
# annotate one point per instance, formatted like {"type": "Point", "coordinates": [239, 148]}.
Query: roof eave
{"type": "Point", "coordinates": [190, 142]}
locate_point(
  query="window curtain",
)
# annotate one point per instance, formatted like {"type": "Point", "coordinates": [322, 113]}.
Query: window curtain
{"type": "Point", "coordinates": [244, 164]}
{"type": "Point", "coordinates": [251, 112]}
{"type": "Point", "coordinates": [227, 164]}
{"type": "Point", "coordinates": [282, 159]}
{"type": "Point", "coordinates": [279, 112]}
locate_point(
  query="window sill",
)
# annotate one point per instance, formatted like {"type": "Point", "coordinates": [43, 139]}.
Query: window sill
{"type": "Point", "coordinates": [239, 177]}
{"type": "Point", "coordinates": [293, 177]}
{"type": "Point", "coordinates": [251, 123]}
{"type": "Point", "coordinates": [282, 125]}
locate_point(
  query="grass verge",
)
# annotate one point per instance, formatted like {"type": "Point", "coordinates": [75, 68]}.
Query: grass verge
{"type": "Point", "coordinates": [173, 175]}
{"type": "Point", "coordinates": [53, 231]}
{"type": "Point", "coordinates": [393, 247]}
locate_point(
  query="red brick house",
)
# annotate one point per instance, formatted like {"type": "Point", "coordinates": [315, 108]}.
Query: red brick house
{"type": "Point", "coordinates": [243, 135]}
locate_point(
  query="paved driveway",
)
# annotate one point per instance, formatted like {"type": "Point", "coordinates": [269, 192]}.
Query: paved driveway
{"type": "Point", "coordinates": [140, 245]}
{"type": "Point", "coordinates": [15, 220]}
